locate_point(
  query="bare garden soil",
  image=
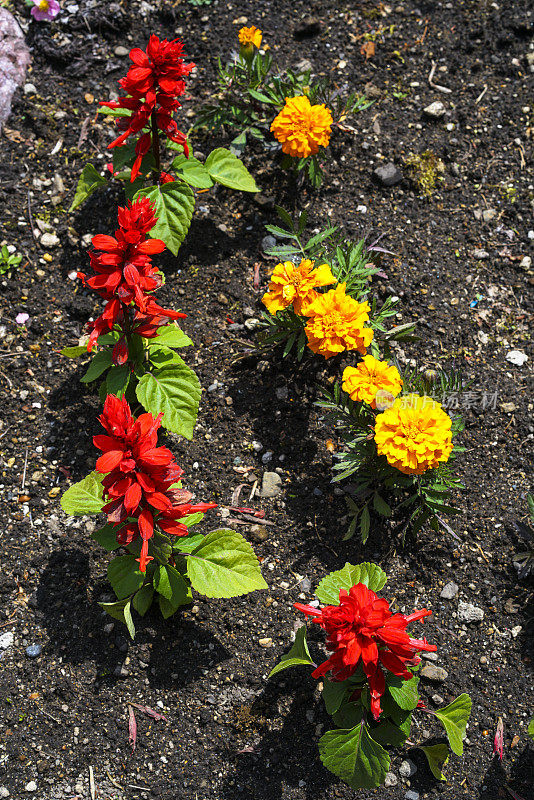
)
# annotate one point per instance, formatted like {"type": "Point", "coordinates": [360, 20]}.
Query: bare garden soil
{"type": "Point", "coordinates": [230, 734]}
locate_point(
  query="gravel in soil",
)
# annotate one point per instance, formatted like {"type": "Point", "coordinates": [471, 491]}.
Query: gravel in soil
{"type": "Point", "coordinates": [462, 270]}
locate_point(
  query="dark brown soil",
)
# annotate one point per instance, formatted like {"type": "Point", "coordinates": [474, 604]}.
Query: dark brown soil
{"type": "Point", "coordinates": [229, 733]}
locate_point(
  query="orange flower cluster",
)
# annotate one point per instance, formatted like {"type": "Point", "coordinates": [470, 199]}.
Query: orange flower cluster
{"type": "Point", "coordinates": [302, 128]}
{"type": "Point", "coordinates": [337, 322]}
{"type": "Point", "coordinates": [292, 285]}
{"type": "Point", "coordinates": [414, 434]}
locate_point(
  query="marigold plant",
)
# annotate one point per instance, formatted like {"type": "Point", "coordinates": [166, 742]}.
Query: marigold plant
{"type": "Point", "coordinates": [398, 453]}
{"type": "Point", "coordinates": [370, 681]}
{"type": "Point", "coordinates": [250, 36]}
{"type": "Point", "coordinates": [302, 307]}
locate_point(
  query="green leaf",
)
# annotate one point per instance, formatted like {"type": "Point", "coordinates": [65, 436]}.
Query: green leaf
{"type": "Point", "coordinates": [437, 756]}
{"type": "Point", "coordinates": [106, 538]}
{"type": "Point", "coordinates": [225, 167]}
{"type": "Point", "coordinates": [180, 593]}
{"type": "Point", "coordinates": [381, 506]}
{"type": "Point", "coordinates": [163, 357]}
{"type": "Point", "coordinates": [389, 734]}
{"type": "Point", "coordinates": [117, 380]}
{"type": "Point", "coordinates": [175, 391]}
{"type": "Point", "coordinates": [99, 364]}
{"type": "Point", "coordinates": [188, 543]}
{"type": "Point", "coordinates": [89, 182]}
{"type": "Point", "coordinates": [369, 574]}
{"type": "Point", "coordinates": [404, 693]}
{"type": "Point", "coordinates": [348, 715]}
{"type": "Point", "coordinates": [84, 497]}
{"type": "Point", "coordinates": [121, 611]}
{"type": "Point", "coordinates": [161, 582]}
{"type": "Point", "coordinates": [192, 171]}
{"type": "Point", "coordinates": [74, 352]}
{"type": "Point", "coordinates": [142, 600]}
{"type": "Point", "coordinates": [298, 655]}
{"type": "Point", "coordinates": [170, 336]}
{"type": "Point", "coordinates": [454, 719]}
{"type": "Point", "coordinates": [193, 519]}
{"type": "Point", "coordinates": [333, 694]}
{"type": "Point", "coordinates": [114, 112]}
{"type": "Point", "coordinates": [530, 729]}
{"type": "Point", "coordinates": [355, 757]}
{"type": "Point", "coordinates": [125, 576]}
{"type": "Point", "coordinates": [174, 208]}
{"type": "Point", "coordinates": [224, 565]}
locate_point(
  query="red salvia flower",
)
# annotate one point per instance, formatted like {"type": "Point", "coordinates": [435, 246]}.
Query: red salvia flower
{"type": "Point", "coordinates": [139, 477]}
{"type": "Point", "coordinates": [124, 275]}
{"type": "Point", "coordinates": [363, 629]}
{"type": "Point", "coordinates": [154, 83]}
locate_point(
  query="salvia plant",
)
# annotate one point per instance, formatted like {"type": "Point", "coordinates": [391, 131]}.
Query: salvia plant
{"type": "Point", "coordinates": [133, 342]}
{"type": "Point", "coordinates": [255, 100]}
{"type": "Point", "coordinates": [319, 296]}
{"type": "Point", "coordinates": [137, 485]}
{"type": "Point", "coordinates": [370, 680]}
{"type": "Point", "coordinates": [147, 129]}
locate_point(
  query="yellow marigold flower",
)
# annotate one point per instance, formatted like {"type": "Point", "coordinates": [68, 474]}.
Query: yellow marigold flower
{"type": "Point", "coordinates": [302, 128]}
{"type": "Point", "coordinates": [369, 377]}
{"type": "Point", "coordinates": [291, 285]}
{"type": "Point", "coordinates": [250, 35]}
{"type": "Point", "coordinates": [337, 323]}
{"type": "Point", "coordinates": [414, 434]}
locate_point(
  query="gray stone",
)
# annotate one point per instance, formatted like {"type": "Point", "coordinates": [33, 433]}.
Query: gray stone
{"type": "Point", "coordinates": [467, 612]}
{"type": "Point", "coordinates": [304, 66]}
{"type": "Point", "coordinates": [435, 110]}
{"type": "Point", "coordinates": [305, 584]}
{"type": "Point", "coordinates": [437, 699]}
{"type": "Point", "coordinates": [4, 792]}
{"type": "Point", "coordinates": [271, 485]}
{"type": "Point", "coordinates": [252, 323]}
{"type": "Point", "coordinates": [480, 254]}
{"type": "Point", "coordinates": [526, 262]}
{"type": "Point", "coordinates": [268, 242]}
{"type": "Point", "coordinates": [259, 533]}
{"type": "Point", "coordinates": [488, 214]}
{"type": "Point", "coordinates": [449, 591]}
{"type": "Point", "coordinates": [34, 650]}
{"type": "Point", "coordinates": [6, 640]}
{"type": "Point", "coordinates": [121, 51]}
{"type": "Point", "coordinates": [31, 786]}
{"type": "Point", "coordinates": [29, 88]}
{"type": "Point", "coordinates": [390, 780]}
{"type": "Point", "coordinates": [388, 174]}
{"type": "Point", "coordinates": [267, 457]}
{"type": "Point", "coordinates": [435, 674]}
{"type": "Point", "coordinates": [407, 769]}
{"type": "Point", "coordinates": [281, 392]}
{"type": "Point", "coordinates": [411, 795]}
{"type": "Point", "coordinates": [50, 240]}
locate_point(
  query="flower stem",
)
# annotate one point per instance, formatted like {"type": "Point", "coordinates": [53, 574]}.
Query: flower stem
{"type": "Point", "coordinates": [155, 147]}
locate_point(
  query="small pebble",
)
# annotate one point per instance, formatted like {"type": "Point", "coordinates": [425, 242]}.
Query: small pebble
{"type": "Point", "coordinates": [34, 650]}
{"type": "Point", "coordinates": [390, 780]}
{"type": "Point", "coordinates": [435, 110]}
{"type": "Point", "coordinates": [407, 769]}
{"type": "Point", "coordinates": [31, 786]}
{"type": "Point", "coordinates": [449, 591]}
{"type": "Point", "coordinates": [467, 612]}
{"type": "Point", "coordinates": [432, 673]}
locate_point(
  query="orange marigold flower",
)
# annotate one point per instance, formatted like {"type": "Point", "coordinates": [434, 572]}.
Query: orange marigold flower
{"type": "Point", "coordinates": [302, 128]}
{"type": "Point", "coordinates": [292, 285]}
{"type": "Point", "coordinates": [414, 434]}
{"type": "Point", "coordinates": [369, 377]}
{"type": "Point", "coordinates": [337, 323]}
{"type": "Point", "coordinates": [250, 35]}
